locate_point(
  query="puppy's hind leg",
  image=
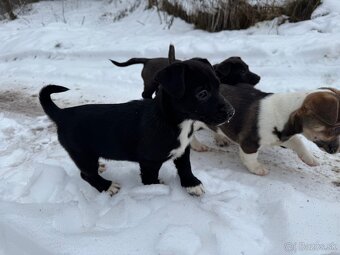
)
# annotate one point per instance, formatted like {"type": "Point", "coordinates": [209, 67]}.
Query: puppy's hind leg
{"type": "Point", "coordinates": [149, 172]}
{"type": "Point", "coordinates": [88, 166]}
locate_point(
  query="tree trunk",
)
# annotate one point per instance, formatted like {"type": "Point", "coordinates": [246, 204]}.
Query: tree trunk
{"type": "Point", "coordinates": [8, 8]}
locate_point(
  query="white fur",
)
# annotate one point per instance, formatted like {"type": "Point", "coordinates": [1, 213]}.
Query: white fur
{"type": "Point", "coordinates": [199, 124]}
{"type": "Point", "coordinates": [250, 161]}
{"type": "Point", "coordinates": [198, 146]}
{"type": "Point", "coordinates": [101, 168]}
{"type": "Point", "coordinates": [274, 112]}
{"type": "Point", "coordinates": [296, 144]}
{"type": "Point", "coordinates": [196, 191]}
{"type": "Point", "coordinates": [183, 138]}
{"type": "Point", "coordinates": [195, 144]}
{"type": "Point", "coordinates": [221, 139]}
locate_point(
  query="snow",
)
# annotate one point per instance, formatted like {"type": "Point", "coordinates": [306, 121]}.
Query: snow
{"type": "Point", "coordinates": [46, 208]}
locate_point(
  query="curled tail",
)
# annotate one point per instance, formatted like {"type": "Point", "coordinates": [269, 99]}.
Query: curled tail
{"type": "Point", "coordinates": [131, 61]}
{"type": "Point", "coordinates": [50, 108]}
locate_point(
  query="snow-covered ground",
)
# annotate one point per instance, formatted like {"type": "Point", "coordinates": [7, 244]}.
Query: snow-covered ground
{"type": "Point", "coordinates": [46, 208]}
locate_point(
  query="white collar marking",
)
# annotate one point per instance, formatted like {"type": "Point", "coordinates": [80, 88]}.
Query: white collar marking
{"type": "Point", "coordinates": [186, 127]}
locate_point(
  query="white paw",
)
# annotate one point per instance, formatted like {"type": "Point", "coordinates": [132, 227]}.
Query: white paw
{"type": "Point", "coordinates": [200, 147]}
{"type": "Point", "coordinates": [259, 170]}
{"type": "Point", "coordinates": [221, 140]}
{"type": "Point", "coordinates": [196, 190]}
{"type": "Point", "coordinates": [102, 168]}
{"type": "Point", "coordinates": [309, 159]}
{"type": "Point", "coordinates": [113, 189]}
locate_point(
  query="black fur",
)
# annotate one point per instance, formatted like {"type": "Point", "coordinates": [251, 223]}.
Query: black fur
{"type": "Point", "coordinates": [234, 70]}
{"type": "Point", "coordinates": [144, 131]}
{"type": "Point", "coordinates": [231, 71]}
{"type": "Point", "coordinates": [243, 128]}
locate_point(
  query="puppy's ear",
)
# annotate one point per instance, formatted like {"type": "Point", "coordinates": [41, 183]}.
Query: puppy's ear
{"type": "Point", "coordinates": [203, 60]}
{"type": "Point", "coordinates": [172, 79]}
{"type": "Point", "coordinates": [222, 69]}
{"type": "Point", "coordinates": [324, 106]}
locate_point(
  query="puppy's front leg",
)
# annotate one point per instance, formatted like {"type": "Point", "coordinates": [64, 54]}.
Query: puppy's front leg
{"type": "Point", "coordinates": [188, 180]}
{"type": "Point", "coordinates": [149, 171]}
{"type": "Point", "coordinates": [250, 161]}
{"type": "Point", "coordinates": [296, 144]}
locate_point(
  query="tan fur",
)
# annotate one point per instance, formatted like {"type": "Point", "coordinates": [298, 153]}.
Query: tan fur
{"type": "Point", "coordinates": [320, 115]}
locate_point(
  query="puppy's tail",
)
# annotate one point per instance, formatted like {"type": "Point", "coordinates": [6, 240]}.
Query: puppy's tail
{"type": "Point", "coordinates": [50, 108]}
{"type": "Point", "coordinates": [171, 54]}
{"type": "Point", "coordinates": [131, 61]}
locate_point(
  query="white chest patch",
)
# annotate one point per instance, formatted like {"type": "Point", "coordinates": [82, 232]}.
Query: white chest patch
{"type": "Point", "coordinates": [184, 138]}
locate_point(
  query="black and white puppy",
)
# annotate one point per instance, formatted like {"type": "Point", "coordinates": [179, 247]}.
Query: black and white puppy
{"type": "Point", "coordinates": [149, 131]}
{"type": "Point", "coordinates": [231, 71]}
{"type": "Point", "coordinates": [266, 119]}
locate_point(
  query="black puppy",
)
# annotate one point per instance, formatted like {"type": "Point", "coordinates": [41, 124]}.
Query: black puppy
{"type": "Point", "coordinates": [231, 71]}
{"type": "Point", "coordinates": [149, 131]}
{"type": "Point", "coordinates": [234, 70]}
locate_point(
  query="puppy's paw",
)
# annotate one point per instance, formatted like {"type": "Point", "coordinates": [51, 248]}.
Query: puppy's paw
{"type": "Point", "coordinates": [309, 159]}
{"type": "Point", "coordinates": [221, 140]}
{"type": "Point", "coordinates": [101, 168]}
{"type": "Point", "coordinates": [196, 190]}
{"type": "Point", "coordinates": [113, 189]}
{"type": "Point", "coordinates": [198, 146]}
{"type": "Point", "coordinates": [259, 169]}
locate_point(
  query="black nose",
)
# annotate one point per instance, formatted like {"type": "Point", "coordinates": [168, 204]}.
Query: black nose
{"type": "Point", "coordinates": [332, 149]}
{"type": "Point", "coordinates": [254, 78]}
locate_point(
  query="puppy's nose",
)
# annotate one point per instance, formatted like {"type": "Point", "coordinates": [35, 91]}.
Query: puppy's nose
{"type": "Point", "coordinates": [254, 79]}
{"type": "Point", "coordinates": [332, 149]}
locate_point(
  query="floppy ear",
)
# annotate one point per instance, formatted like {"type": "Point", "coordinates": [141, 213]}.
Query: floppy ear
{"type": "Point", "coordinates": [222, 68]}
{"type": "Point", "coordinates": [171, 79]}
{"type": "Point", "coordinates": [324, 106]}
{"type": "Point", "coordinates": [203, 60]}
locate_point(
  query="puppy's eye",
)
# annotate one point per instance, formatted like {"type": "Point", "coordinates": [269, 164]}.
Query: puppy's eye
{"type": "Point", "coordinates": [243, 71]}
{"type": "Point", "coordinates": [202, 95]}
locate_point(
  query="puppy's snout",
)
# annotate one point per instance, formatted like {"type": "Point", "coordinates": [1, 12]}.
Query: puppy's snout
{"type": "Point", "coordinates": [226, 109]}
{"type": "Point", "coordinates": [332, 149]}
{"type": "Point", "coordinates": [254, 78]}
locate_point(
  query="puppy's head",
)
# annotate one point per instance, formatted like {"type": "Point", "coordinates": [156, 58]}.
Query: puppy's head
{"type": "Point", "coordinates": [234, 70]}
{"type": "Point", "coordinates": [192, 89]}
{"type": "Point", "coordinates": [320, 118]}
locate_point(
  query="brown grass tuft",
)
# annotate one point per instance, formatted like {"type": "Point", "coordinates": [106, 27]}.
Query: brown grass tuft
{"type": "Point", "coordinates": [238, 14]}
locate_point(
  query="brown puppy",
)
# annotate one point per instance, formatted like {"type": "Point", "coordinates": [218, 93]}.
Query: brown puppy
{"type": "Point", "coordinates": [265, 119]}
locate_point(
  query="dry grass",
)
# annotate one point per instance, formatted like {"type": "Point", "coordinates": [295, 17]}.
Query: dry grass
{"type": "Point", "coordinates": [301, 9]}
{"type": "Point", "coordinates": [239, 14]}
